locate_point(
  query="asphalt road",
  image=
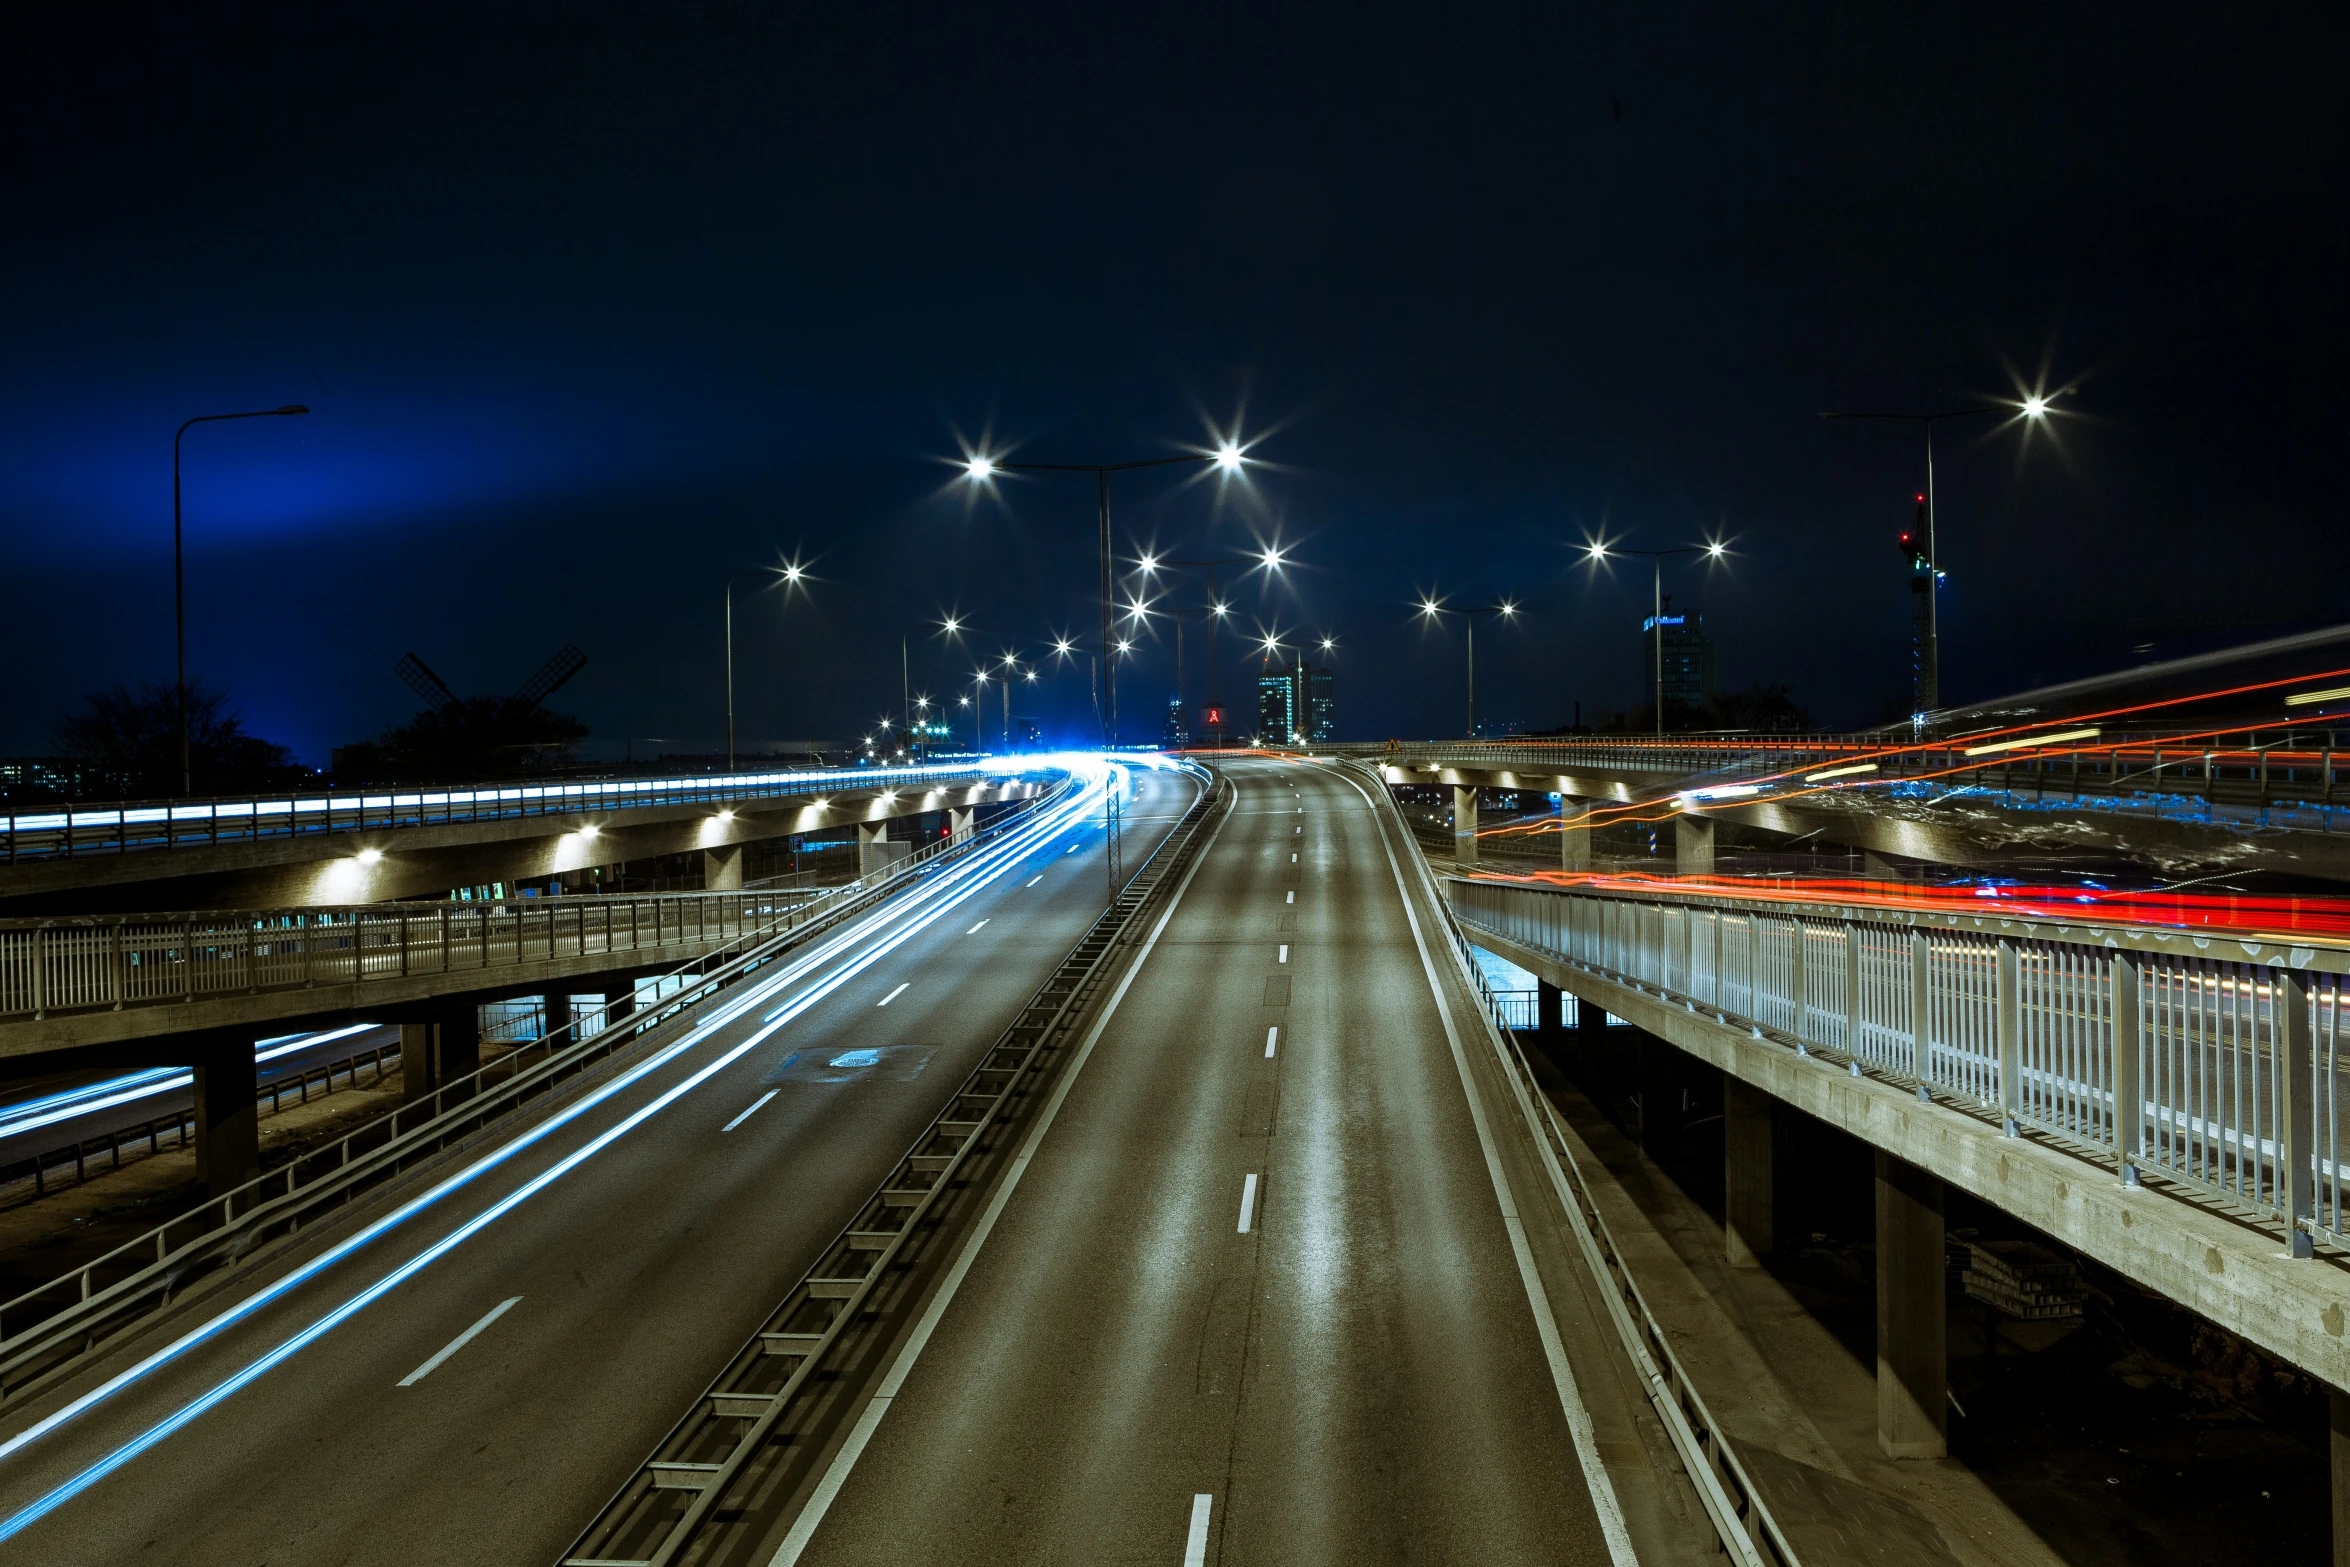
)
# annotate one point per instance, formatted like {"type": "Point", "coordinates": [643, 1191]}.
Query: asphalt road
{"type": "Point", "coordinates": [1246, 1304]}
{"type": "Point", "coordinates": [638, 1242]}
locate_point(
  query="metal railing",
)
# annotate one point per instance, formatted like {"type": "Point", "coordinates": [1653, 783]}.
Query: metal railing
{"type": "Point", "coordinates": [2253, 770]}
{"type": "Point", "coordinates": [50, 967]}
{"type": "Point", "coordinates": [122, 826]}
{"type": "Point", "coordinates": [2228, 1076]}
{"type": "Point", "coordinates": [66, 1317]}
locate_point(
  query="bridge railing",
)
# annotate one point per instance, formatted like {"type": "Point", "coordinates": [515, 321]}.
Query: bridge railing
{"type": "Point", "coordinates": [2258, 769]}
{"type": "Point", "coordinates": [2227, 1076]}
{"type": "Point", "coordinates": [113, 962]}
{"type": "Point", "coordinates": [117, 827]}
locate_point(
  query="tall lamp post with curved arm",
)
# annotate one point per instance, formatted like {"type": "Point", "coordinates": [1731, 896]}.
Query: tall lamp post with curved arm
{"type": "Point", "coordinates": [980, 468]}
{"type": "Point", "coordinates": [1598, 553]}
{"type": "Point", "coordinates": [1502, 609]}
{"type": "Point", "coordinates": [179, 597]}
{"type": "Point", "coordinates": [1926, 678]}
{"type": "Point", "coordinates": [792, 576]}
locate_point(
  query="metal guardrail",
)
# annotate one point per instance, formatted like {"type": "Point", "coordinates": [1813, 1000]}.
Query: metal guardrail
{"type": "Point", "coordinates": [51, 967]}
{"type": "Point", "coordinates": [2226, 1076]}
{"type": "Point", "coordinates": [794, 1358]}
{"type": "Point", "coordinates": [1740, 1516]}
{"type": "Point", "coordinates": [123, 826]}
{"type": "Point", "coordinates": [2254, 769]}
{"type": "Point", "coordinates": [79, 1310]}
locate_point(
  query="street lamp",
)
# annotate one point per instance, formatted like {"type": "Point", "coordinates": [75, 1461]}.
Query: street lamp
{"type": "Point", "coordinates": [1269, 559]}
{"type": "Point", "coordinates": [980, 468]}
{"type": "Point", "coordinates": [1430, 609]}
{"type": "Point", "coordinates": [792, 574]}
{"type": "Point", "coordinates": [179, 601]}
{"type": "Point", "coordinates": [1597, 554]}
{"type": "Point", "coordinates": [1926, 677]}
{"type": "Point", "coordinates": [950, 627]}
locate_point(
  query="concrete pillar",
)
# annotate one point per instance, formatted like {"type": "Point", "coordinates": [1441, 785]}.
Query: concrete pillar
{"type": "Point", "coordinates": [1660, 1097]}
{"type": "Point", "coordinates": [1746, 1173]}
{"type": "Point", "coordinates": [1550, 1010]}
{"type": "Point", "coordinates": [1876, 867]}
{"type": "Point", "coordinates": [872, 851]}
{"type": "Point", "coordinates": [962, 822]}
{"type": "Point", "coordinates": [1913, 1372]}
{"type": "Point", "coordinates": [1574, 836]}
{"type": "Point", "coordinates": [228, 1126]}
{"type": "Point", "coordinates": [2338, 1408]}
{"type": "Point", "coordinates": [441, 1048]}
{"type": "Point", "coordinates": [722, 868]}
{"type": "Point", "coordinates": [1693, 845]}
{"type": "Point", "coordinates": [1464, 825]}
{"type": "Point", "coordinates": [619, 1005]}
{"type": "Point", "coordinates": [1587, 1048]}
{"type": "Point", "coordinates": [555, 1014]}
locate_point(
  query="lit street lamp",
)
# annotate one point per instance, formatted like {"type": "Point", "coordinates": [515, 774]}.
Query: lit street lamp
{"type": "Point", "coordinates": [791, 573]}
{"type": "Point", "coordinates": [1269, 559]}
{"type": "Point", "coordinates": [179, 601]}
{"type": "Point", "coordinates": [1430, 609]}
{"type": "Point", "coordinates": [1926, 692]}
{"type": "Point", "coordinates": [1598, 553]}
{"type": "Point", "coordinates": [981, 468]}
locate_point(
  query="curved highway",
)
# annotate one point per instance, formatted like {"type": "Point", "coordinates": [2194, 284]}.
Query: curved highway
{"type": "Point", "coordinates": [465, 1367]}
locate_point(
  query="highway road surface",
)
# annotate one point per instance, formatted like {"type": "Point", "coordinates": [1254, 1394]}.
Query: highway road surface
{"type": "Point", "coordinates": [467, 1366]}
{"type": "Point", "coordinates": [1254, 1298]}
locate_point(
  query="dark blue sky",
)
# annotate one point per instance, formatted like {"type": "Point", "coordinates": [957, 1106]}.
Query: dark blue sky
{"type": "Point", "coordinates": [593, 309]}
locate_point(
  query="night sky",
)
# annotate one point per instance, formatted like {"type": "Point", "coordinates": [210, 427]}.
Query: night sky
{"type": "Point", "coordinates": [593, 310]}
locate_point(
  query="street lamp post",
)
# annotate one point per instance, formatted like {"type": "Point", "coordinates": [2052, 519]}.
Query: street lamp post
{"type": "Point", "coordinates": [179, 602]}
{"type": "Point", "coordinates": [1926, 690]}
{"type": "Point", "coordinates": [951, 628]}
{"type": "Point", "coordinates": [1504, 608]}
{"type": "Point", "coordinates": [1656, 617]}
{"type": "Point", "coordinates": [791, 574]}
{"type": "Point", "coordinates": [1268, 559]}
{"type": "Point", "coordinates": [981, 468]}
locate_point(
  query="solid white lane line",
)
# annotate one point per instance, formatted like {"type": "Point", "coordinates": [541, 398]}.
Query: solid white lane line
{"type": "Point", "coordinates": [1272, 1037]}
{"type": "Point", "coordinates": [1033, 880]}
{"type": "Point", "coordinates": [893, 995]}
{"type": "Point", "coordinates": [1285, 952]}
{"type": "Point", "coordinates": [820, 1501]}
{"type": "Point", "coordinates": [974, 930]}
{"type": "Point", "coordinates": [1195, 1540]}
{"type": "Point", "coordinates": [757, 1105]}
{"type": "Point", "coordinates": [1248, 1203]}
{"type": "Point", "coordinates": [459, 1342]}
{"type": "Point", "coordinates": [1292, 898]}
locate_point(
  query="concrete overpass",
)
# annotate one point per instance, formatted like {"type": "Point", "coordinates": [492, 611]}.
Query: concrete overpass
{"type": "Point", "coordinates": [366, 846]}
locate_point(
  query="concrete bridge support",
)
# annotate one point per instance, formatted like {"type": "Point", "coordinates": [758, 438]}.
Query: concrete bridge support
{"type": "Point", "coordinates": [1693, 845]}
{"type": "Point", "coordinates": [962, 822]}
{"type": "Point", "coordinates": [1913, 1371]}
{"type": "Point", "coordinates": [442, 1046]}
{"type": "Point", "coordinates": [1660, 1096]}
{"type": "Point", "coordinates": [1464, 825]}
{"type": "Point", "coordinates": [1748, 1219]}
{"type": "Point", "coordinates": [555, 1014]}
{"type": "Point", "coordinates": [722, 868]}
{"type": "Point", "coordinates": [228, 1125]}
{"type": "Point", "coordinates": [619, 1004]}
{"type": "Point", "coordinates": [1574, 835]}
{"type": "Point", "coordinates": [872, 848]}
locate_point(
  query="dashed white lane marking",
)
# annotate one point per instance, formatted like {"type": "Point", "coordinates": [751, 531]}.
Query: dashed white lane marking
{"type": "Point", "coordinates": [1248, 1203]}
{"type": "Point", "coordinates": [1292, 898]}
{"type": "Point", "coordinates": [488, 1317]}
{"type": "Point", "coordinates": [1285, 952]}
{"type": "Point", "coordinates": [974, 930]}
{"type": "Point", "coordinates": [1272, 1037]}
{"type": "Point", "coordinates": [756, 1106]}
{"type": "Point", "coordinates": [893, 995]}
{"type": "Point", "coordinates": [1293, 859]}
{"type": "Point", "coordinates": [1033, 880]}
{"type": "Point", "coordinates": [1195, 1540]}
{"type": "Point", "coordinates": [1297, 831]}
{"type": "Point", "coordinates": [1072, 849]}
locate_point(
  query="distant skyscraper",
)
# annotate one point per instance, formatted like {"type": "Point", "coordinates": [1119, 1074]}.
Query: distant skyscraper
{"type": "Point", "coordinates": [1322, 706]}
{"type": "Point", "coordinates": [1297, 704]}
{"type": "Point", "coordinates": [1688, 654]}
{"type": "Point", "coordinates": [1177, 734]}
{"type": "Point", "coordinates": [1276, 707]}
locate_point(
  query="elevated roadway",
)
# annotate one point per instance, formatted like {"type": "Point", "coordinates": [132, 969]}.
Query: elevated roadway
{"type": "Point", "coordinates": [464, 1367]}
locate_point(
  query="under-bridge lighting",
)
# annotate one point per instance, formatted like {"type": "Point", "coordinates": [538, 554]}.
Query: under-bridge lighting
{"type": "Point", "coordinates": [2031, 740]}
